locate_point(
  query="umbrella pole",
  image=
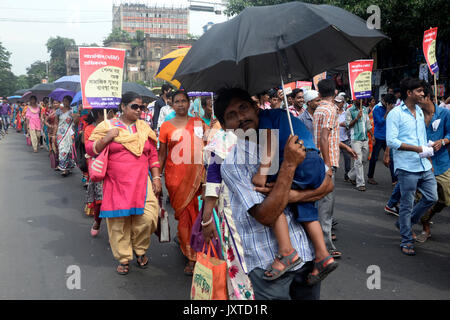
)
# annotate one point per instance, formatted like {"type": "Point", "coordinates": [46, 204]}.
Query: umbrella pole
{"type": "Point", "coordinates": [105, 118]}
{"type": "Point", "coordinates": [212, 105]}
{"type": "Point", "coordinates": [286, 104]}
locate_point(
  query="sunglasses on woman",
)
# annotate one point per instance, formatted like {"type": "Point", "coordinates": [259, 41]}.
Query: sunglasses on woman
{"type": "Point", "coordinates": [136, 107]}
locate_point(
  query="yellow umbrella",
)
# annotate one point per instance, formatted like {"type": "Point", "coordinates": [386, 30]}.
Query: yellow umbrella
{"type": "Point", "coordinates": [169, 64]}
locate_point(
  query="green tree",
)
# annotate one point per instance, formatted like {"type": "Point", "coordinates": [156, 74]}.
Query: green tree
{"type": "Point", "coordinates": [117, 35]}
{"type": "Point", "coordinates": [57, 48]}
{"type": "Point", "coordinates": [7, 78]}
{"type": "Point", "coordinates": [22, 82]}
{"type": "Point", "coordinates": [403, 21]}
{"type": "Point", "coordinates": [36, 72]}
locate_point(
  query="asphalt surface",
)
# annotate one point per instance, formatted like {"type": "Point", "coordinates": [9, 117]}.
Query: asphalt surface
{"type": "Point", "coordinates": [44, 231]}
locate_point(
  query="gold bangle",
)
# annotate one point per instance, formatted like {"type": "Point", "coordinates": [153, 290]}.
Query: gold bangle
{"type": "Point", "coordinates": [157, 177]}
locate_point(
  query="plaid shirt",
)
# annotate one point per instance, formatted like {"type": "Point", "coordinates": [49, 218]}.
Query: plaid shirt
{"type": "Point", "coordinates": [326, 116]}
{"type": "Point", "coordinates": [258, 241]}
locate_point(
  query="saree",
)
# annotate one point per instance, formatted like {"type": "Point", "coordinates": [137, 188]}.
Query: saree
{"type": "Point", "coordinates": [64, 140]}
{"type": "Point", "coordinates": [370, 134]}
{"type": "Point", "coordinates": [184, 174]}
{"type": "Point", "coordinates": [238, 284]}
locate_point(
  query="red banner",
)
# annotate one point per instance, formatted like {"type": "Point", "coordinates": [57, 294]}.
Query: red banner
{"type": "Point", "coordinates": [101, 74]}
{"type": "Point", "coordinates": [360, 78]}
{"type": "Point", "coordinates": [429, 49]}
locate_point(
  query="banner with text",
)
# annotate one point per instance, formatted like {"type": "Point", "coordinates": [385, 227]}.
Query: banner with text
{"type": "Point", "coordinates": [305, 85]}
{"type": "Point", "coordinates": [429, 49]}
{"type": "Point", "coordinates": [360, 78]}
{"type": "Point", "coordinates": [101, 74]}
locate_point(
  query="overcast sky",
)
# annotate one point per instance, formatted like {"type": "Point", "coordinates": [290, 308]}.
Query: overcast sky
{"type": "Point", "coordinates": [26, 40]}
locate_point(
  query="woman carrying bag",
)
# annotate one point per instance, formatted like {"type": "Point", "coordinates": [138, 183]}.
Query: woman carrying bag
{"type": "Point", "coordinates": [129, 196]}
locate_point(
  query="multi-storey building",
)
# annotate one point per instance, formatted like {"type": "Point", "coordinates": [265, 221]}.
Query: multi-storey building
{"type": "Point", "coordinates": [158, 22]}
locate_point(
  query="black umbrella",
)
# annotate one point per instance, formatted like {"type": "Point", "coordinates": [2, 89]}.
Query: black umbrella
{"type": "Point", "coordinates": [248, 50]}
{"type": "Point", "coordinates": [41, 90]}
{"type": "Point", "coordinates": [146, 94]}
{"type": "Point", "coordinates": [21, 92]}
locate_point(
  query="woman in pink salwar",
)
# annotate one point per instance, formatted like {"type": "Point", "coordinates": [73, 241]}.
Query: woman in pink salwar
{"type": "Point", "coordinates": [33, 117]}
{"type": "Point", "coordinates": [129, 203]}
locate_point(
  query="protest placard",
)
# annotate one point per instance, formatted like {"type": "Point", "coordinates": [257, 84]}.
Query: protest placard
{"type": "Point", "coordinates": [101, 74]}
{"type": "Point", "coordinates": [306, 85]}
{"type": "Point", "coordinates": [360, 78]}
{"type": "Point", "coordinates": [429, 49]}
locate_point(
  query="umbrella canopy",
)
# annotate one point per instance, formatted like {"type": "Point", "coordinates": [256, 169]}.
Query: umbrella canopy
{"type": "Point", "coordinates": [247, 51]}
{"type": "Point", "coordinates": [71, 83]}
{"type": "Point", "coordinates": [169, 64]}
{"type": "Point", "coordinates": [21, 92]}
{"type": "Point", "coordinates": [40, 90]}
{"type": "Point", "coordinates": [14, 99]}
{"type": "Point", "coordinates": [146, 94]}
{"type": "Point", "coordinates": [59, 94]}
{"type": "Point", "coordinates": [77, 99]}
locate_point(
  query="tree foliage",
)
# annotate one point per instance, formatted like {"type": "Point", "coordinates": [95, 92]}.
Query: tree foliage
{"type": "Point", "coordinates": [403, 21]}
{"type": "Point", "coordinates": [57, 48]}
{"type": "Point", "coordinates": [7, 78]}
{"type": "Point", "coordinates": [36, 72]}
{"type": "Point", "coordinates": [117, 35]}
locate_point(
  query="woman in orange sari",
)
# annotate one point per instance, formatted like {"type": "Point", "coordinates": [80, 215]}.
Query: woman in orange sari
{"type": "Point", "coordinates": [180, 152]}
{"type": "Point", "coordinates": [370, 134]}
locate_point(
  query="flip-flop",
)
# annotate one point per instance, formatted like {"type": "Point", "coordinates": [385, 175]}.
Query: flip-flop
{"type": "Point", "coordinates": [335, 254]}
{"type": "Point", "coordinates": [409, 247]}
{"type": "Point", "coordinates": [126, 267]}
{"type": "Point", "coordinates": [288, 263]}
{"type": "Point", "coordinates": [423, 237]}
{"type": "Point", "coordinates": [141, 258]}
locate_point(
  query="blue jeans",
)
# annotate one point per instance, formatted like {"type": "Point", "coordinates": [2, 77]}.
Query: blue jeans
{"type": "Point", "coordinates": [380, 144]}
{"type": "Point", "coordinates": [5, 118]}
{"type": "Point", "coordinates": [409, 214]}
{"type": "Point", "coordinates": [395, 196]}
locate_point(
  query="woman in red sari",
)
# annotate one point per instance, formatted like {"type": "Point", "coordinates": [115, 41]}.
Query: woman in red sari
{"type": "Point", "coordinates": [180, 152]}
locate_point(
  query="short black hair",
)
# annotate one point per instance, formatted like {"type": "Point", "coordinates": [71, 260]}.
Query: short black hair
{"type": "Point", "coordinates": [165, 87]}
{"type": "Point", "coordinates": [33, 97]}
{"type": "Point", "coordinates": [68, 98]}
{"type": "Point", "coordinates": [224, 97]}
{"type": "Point", "coordinates": [259, 95]}
{"type": "Point", "coordinates": [428, 90]}
{"type": "Point", "coordinates": [180, 92]}
{"type": "Point", "coordinates": [273, 93]}
{"type": "Point", "coordinates": [93, 115]}
{"type": "Point", "coordinates": [296, 91]}
{"type": "Point", "coordinates": [409, 84]}
{"type": "Point", "coordinates": [129, 96]}
{"type": "Point", "coordinates": [389, 98]}
{"type": "Point", "coordinates": [326, 88]}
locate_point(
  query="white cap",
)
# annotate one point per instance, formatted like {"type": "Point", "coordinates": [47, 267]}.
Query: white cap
{"type": "Point", "coordinates": [339, 98]}
{"type": "Point", "coordinates": [309, 95]}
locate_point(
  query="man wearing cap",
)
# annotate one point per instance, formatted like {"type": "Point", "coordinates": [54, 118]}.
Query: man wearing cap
{"type": "Point", "coordinates": [357, 120]}
{"type": "Point", "coordinates": [312, 101]}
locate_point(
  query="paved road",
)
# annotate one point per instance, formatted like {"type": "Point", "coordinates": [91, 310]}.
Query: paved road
{"type": "Point", "coordinates": [43, 231]}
